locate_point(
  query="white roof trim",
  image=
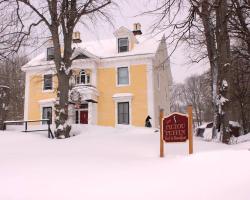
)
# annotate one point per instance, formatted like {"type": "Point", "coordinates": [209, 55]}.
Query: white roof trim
{"type": "Point", "coordinates": [45, 101]}
{"type": "Point", "coordinates": [79, 51]}
{"type": "Point", "coordinates": [122, 96]}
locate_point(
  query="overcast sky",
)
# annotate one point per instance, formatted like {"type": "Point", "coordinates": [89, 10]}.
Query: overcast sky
{"type": "Point", "coordinates": [128, 13]}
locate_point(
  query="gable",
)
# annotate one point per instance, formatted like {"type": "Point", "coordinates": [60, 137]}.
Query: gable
{"type": "Point", "coordinates": [80, 53]}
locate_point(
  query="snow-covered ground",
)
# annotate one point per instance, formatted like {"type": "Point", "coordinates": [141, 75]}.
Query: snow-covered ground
{"type": "Point", "coordinates": [119, 164]}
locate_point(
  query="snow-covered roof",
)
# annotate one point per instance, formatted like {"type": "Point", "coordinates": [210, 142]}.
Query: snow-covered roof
{"type": "Point", "coordinates": [104, 49]}
{"type": "Point", "coordinates": [107, 48]}
{"type": "Point", "coordinates": [83, 93]}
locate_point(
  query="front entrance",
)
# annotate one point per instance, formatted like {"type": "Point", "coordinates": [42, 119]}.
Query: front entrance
{"type": "Point", "coordinates": [83, 117]}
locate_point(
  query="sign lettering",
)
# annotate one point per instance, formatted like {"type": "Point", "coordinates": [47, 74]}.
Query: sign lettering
{"type": "Point", "coordinates": [175, 128]}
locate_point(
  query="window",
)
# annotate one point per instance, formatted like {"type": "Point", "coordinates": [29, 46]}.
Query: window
{"type": "Point", "coordinates": [123, 112]}
{"type": "Point", "coordinates": [50, 53]}
{"type": "Point", "coordinates": [123, 76]}
{"type": "Point", "coordinates": [83, 78]}
{"type": "Point", "coordinates": [47, 82]}
{"type": "Point", "coordinates": [47, 114]}
{"type": "Point", "coordinates": [123, 45]}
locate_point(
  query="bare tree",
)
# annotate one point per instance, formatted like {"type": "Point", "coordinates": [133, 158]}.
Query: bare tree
{"type": "Point", "coordinates": [210, 19]}
{"type": "Point", "coordinates": [12, 76]}
{"type": "Point", "coordinates": [195, 91]}
{"type": "Point", "coordinates": [60, 17]}
{"type": "Point", "coordinates": [177, 101]}
{"type": "Point", "coordinates": [241, 90]}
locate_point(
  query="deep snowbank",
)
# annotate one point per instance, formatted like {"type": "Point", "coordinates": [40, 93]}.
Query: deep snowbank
{"type": "Point", "coordinates": [108, 163]}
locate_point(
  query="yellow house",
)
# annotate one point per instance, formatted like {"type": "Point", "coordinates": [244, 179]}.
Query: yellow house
{"type": "Point", "coordinates": [119, 81]}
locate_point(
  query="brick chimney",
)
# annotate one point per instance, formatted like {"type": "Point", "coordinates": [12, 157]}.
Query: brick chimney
{"type": "Point", "coordinates": [76, 37]}
{"type": "Point", "coordinates": [137, 29]}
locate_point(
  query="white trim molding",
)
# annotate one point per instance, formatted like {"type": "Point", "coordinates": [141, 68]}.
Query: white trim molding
{"type": "Point", "coordinates": [26, 96]}
{"type": "Point", "coordinates": [119, 98]}
{"type": "Point", "coordinates": [150, 93]}
{"type": "Point", "coordinates": [116, 70]}
{"type": "Point", "coordinates": [47, 103]}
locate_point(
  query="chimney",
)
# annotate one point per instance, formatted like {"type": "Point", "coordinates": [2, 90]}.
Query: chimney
{"type": "Point", "coordinates": [137, 29]}
{"type": "Point", "coordinates": [76, 37]}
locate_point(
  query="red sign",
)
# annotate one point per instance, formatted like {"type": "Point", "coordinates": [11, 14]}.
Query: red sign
{"type": "Point", "coordinates": [175, 128]}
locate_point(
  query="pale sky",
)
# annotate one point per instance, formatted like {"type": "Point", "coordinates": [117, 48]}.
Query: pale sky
{"type": "Point", "coordinates": [126, 15]}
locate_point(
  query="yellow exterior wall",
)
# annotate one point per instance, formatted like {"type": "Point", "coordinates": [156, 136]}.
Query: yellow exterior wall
{"type": "Point", "coordinates": [107, 88]}
{"type": "Point", "coordinates": [36, 94]}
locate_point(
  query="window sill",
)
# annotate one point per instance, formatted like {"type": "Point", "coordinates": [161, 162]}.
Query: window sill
{"type": "Point", "coordinates": [123, 125]}
{"type": "Point", "coordinates": [48, 91]}
{"type": "Point", "coordinates": [122, 85]}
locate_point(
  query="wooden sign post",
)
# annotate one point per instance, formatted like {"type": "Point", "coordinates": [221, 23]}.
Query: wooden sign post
{"type": "Point", "coordinates": [161, 134]}
{"type": "Point", "coordinates": [190, 129]}
{"type": "Point", "coordinates": [176, 127]}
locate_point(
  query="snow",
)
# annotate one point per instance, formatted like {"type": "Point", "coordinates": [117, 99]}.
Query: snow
{"type": "Point", "coordinates": [60, 127]}
{"type": "Point", "coordinates": [222, 100]}
{"type": "Point", "coordinates": [119, 163]}
{"type": "Point", "coordinates": [107, 48]}
{"type": "Point", "coordinates": [243, 138]}
{"type": "Point", "coordinates": [204, 125]}
{"type": "Point", "coordinates": [83, 92]}
{"type": "Point", "coordinates": [234, 123]}
{"type": "Point", "coordinates": [240, 139]}
{"type": "Point", "coordinates": [102, 49]}
{"type": "Point", "coordinates": [224, 83]}
{"type": "Point", "coordinates": [208, 134]}
{"type": "Point", "coordinates": [4, 86]}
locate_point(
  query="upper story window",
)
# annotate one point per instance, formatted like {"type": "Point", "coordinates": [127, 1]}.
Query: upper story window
{"type": "Point", "coordinates": [47, 82]}
{"type": "Point", "coordinates": [50, 53]}
{"type": "Point", "coordinates": [83, 78]}
{"type": "Point", "coordinates": [123, 45]}
{"type": "Point", "coordinates": [122, 76]}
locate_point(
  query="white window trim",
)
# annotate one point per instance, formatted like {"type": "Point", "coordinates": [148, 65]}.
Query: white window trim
{"type": "Point", "coordinates": [158, 77]}
{"type": "Point", "coordinates": [86, 75]}
{"type": "Point", "coordinates": [122, 85]}
{"type": "Point", "coordinates": [129, 43]}
{"type": "Point", "coordinates": [47, 103]}
{"type": "Point", "coordinates": [121, 99]}
{"type": "Point", "coordinates": [50, 90]}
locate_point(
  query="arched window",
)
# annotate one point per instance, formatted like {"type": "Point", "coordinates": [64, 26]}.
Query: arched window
{"type": "Point", "coordinates": [83, 78]}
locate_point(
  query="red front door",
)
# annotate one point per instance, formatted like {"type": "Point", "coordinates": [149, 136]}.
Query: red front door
{"type": "Point", "coordinates": [83, 117]}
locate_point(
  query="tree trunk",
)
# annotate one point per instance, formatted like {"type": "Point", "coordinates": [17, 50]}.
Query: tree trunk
{"type": "Point", "coordinates": [61, 108]}
{"type": "Point", "coordinates": [62, 126]}
{"type": "Point", "coordinates": [213, 59]}
{"type": "Point", "coordinates": [223, 47]}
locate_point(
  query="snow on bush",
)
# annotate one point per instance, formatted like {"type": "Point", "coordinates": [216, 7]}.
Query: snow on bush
{"type": "Point", "coordinates": [234, 124]}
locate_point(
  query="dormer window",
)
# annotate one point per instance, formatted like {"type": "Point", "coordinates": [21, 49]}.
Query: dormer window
{"type": "Point", "coordinates": [123, 45]}
{"type": "Point", "coordinates": [50, 53]}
